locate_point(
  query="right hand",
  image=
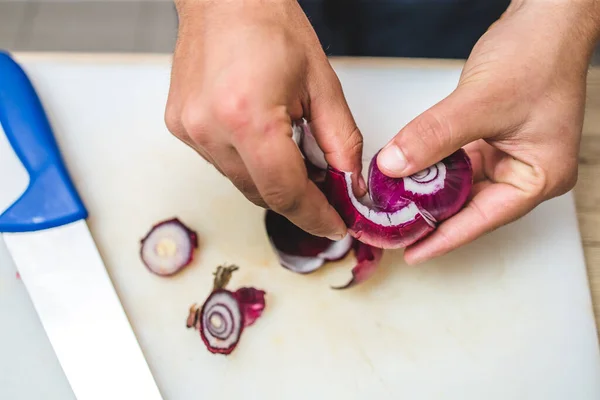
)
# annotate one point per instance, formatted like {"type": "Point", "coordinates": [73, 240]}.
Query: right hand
{"type": "Point", "coordinates": [242, 72]}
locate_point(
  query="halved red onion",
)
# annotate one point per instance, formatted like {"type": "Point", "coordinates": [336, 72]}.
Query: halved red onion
{"type": "Point", "coordinates": [221, 322]}
{"type": "Point", "coordinates": [252, 303]}
{"type": "Point", "coordinates": [168, 247]}
{"type": "Point", "coordinates": [368, 258]}
{"type": "Point", "coordinates": [298, 250]}
{"type": "Point", "coordinates": [397, 212]}
{"type": "Point", "coordinates": [441, 190]}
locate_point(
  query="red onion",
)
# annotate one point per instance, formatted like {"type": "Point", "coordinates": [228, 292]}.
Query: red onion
{"type": "Point", "coordinates": [441, 189]}
{"type": "Point", "coordinates": [168, 247]}
{"type": "Point", "coordinates": [300, 251]}
{"type": "Point", "coordinates": [399, 211]}
{"type": "Point", "coordinates": [225, 314]}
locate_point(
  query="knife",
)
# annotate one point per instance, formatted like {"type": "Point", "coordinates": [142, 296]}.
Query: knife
{"type": "Point", "coordinates": [47, 237]}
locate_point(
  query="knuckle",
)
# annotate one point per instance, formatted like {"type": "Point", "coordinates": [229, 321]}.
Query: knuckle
{"type": "Point", "coordinates": [566, 179]}
{"type": "Point", "coordinates": [282, 201]}
{"type": "Point", "coordinates": [232, 110]}
{"type": "Point", "coordinates": [432, 127]}
{"type": "Point", "coordinates": [171, 119]}
{"type": "Point", "coordinates": [194, 122]}
{"type": "Point", "coordinates": [353, 143]}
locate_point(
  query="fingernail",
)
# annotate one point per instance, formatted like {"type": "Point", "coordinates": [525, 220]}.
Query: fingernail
{"type": "Point", "coordinates": [392, 159]}
{"type": "Point", "coordinates": [335, 237]}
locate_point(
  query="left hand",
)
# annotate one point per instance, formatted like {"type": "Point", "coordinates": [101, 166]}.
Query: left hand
{"type": "Point", "coordinates": [518, 110]}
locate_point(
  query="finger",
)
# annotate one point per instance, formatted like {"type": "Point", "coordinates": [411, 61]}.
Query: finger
{"type": "Point", "coordinates": [277, 168]}
{"type": "Point", "coordinates": [474, 152]}
{"type": "Point", "coordinates": [457, 120]}
{"type": "Point", "coordinates": [232, 167]}
{"type": "Point", "coordinates": [492, 207]}
{"type": "Point", "coordinates": [335, 129]}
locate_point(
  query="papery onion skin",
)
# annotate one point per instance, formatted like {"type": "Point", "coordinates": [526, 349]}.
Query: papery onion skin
{"type": "Point", "coordinates": [298, 250]}
{"type": "Point", "coordinates": [368, 259]}
{"type": "Point", "coordinates": [366, 230]}
{"type": "Point", "coordinates": [252, 303]}
{"type": "Point", "coordinates": [440, 190]}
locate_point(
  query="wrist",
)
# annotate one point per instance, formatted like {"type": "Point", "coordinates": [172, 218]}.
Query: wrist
{"type": "Point", "coordinates": [579, 17]}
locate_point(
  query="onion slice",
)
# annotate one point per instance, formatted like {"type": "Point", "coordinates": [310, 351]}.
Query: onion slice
{"type": "Point", "coordinates": [224, 315]}
{"type": "Point", "coordinates": [221, 322]}
{"type": "Point", "coordinates": [368, 258]}
{"type": "Point", "coordinates": [168, 247]}
{"type": "Point", "coordinates": [298, 250]}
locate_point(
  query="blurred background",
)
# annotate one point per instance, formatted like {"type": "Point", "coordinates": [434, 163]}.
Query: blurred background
{"type": "Point", "coordinates": [150, 26]}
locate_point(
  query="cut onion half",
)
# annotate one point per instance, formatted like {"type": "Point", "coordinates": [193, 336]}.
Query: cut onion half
{"type": "Point", "coordinates": [398, 211]}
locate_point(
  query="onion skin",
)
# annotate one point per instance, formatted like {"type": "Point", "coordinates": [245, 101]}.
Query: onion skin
{"type": "Point", "coordinates": [252, 303]}
{"type": "Point", "coordinates": [366, 230]}
{"type": "Point", "coordinates": [368, 259]}
{"type": "Point", "coordinates": [298, 250]}
{"type": "Point", "coordinates": [441, 190]}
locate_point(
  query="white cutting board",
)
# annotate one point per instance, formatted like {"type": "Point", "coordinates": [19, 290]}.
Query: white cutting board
{"type": "Point", "coordinates": [507, 317]}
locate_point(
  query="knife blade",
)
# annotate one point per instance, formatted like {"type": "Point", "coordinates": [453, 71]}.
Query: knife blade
{"type": "Point", "coordinates": [47, 236]}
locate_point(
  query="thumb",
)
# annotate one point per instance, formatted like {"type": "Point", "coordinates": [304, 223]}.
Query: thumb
{"type": "Point", "coordinates": [336, 132]}
{"type": "Point", "coordinates": [438, 132]}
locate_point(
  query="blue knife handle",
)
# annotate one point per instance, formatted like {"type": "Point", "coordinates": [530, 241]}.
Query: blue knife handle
{"type": "Point", "coordinates": [51, 199]}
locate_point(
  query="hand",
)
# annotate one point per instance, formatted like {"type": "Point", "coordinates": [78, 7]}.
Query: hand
{"type": "Point", "coordinates": [242, 72]}
{"type": "Point", "coordinates": [518, 111]}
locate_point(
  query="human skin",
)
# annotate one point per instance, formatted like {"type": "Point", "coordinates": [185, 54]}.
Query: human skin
{"type": "Point", "coordinates": [243, 70]}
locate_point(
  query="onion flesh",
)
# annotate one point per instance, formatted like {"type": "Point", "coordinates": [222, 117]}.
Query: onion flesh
{"type": "Point", "coordinates": [168, 247]}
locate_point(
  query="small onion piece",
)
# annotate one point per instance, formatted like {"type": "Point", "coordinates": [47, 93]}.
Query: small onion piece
{"type": "Point", "coordinates": [221, 322]}
{"type": "Point", "coordinates": [441, 190]}
{"type": "Point", "coordinates": [224, 315]}
{"type": "Point", "coordinates": [368, 258]}
{"type": "Point", "coordinates": [168, 247]}
{"type": "Point", "coordinates": [298, 250]}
